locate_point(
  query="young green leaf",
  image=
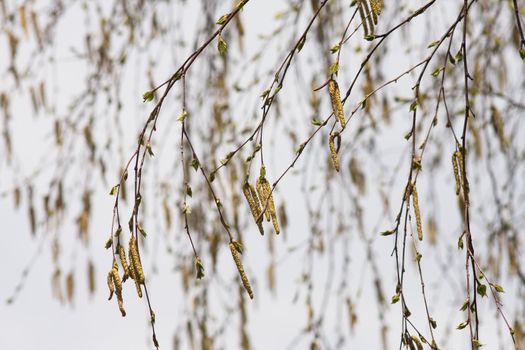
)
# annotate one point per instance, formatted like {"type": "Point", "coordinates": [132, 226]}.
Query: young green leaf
{"type": "Point", "coordinates": [148, 96]}
{"type": "Point", "coordinates": [396, 298]}
{"type": "Point", "coordinates": [222, 19]}
{"type": "Point", "coordinates": [200, 268]}
{"type": "Point", "coordinates": [482, 290]}
{"type": "Point", "coordinates": [221, 45]}
{"type": "Point", "coordinates": [462, 325]}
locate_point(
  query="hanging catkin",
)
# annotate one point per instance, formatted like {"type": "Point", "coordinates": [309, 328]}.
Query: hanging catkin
{"type": "Point", "coordinates": [333, 152]}
{"type": "Point", "coordinates": [240, 268]}
{"type": "Point", "coordinates": [135, 268]}
{"type": "Point", "coordinates": [415, 202]}
{"type": "Point", "coordinates": [455, 166]}
{"type": "Point", "coordinates": [117, 282]}
{"type": "Point", "coordinates": [337, 104]}
{"type": "Point", "coordinates": [253, 202]}
{"type": "Point", "coordinates": [264, 191]}
{"type": "Point", "coordinates": [377, 6]}
{"type": "Point", "coordinates": [122, 255]}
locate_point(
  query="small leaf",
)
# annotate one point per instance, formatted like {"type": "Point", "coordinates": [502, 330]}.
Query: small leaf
{"type": "Point", "coordinates": [148, 96]}
{"type": "Point", "coordinates": [195, 164]}
{"type": "Point", "coordinates": [118, 232]}
{"type": "Point", "coordinates": [142, 231]}
{"type": "Point", "coordinates": [433, 323]}
{"type": "Point", "coordinates": [200, 268]}
{"type": "Point", "coordinates": [300, 148]}
{"type": "Point", "coordinates": [186, 209]}
{"type": "Point", "coordinates": [150, 150]}
{"type": "Point", "coordinates": [476, 343]}
{"type": "Point", "coordinates": [388, 232]}
{"type": "Point", "coordinates": [301, 42]}
{"type": "Point", "coordinates": [432, 44]}
{"type": "Point", "coordinates": [460, 243]}
{"type": "Point", "coordinates": [317, 122]}
{"type": "Point", "coordinates": [189, 191]}
{"type": "Point", "coordinates": [462, 325]}
{"type": "Point", "coordinates": [416, 163]}
{"type": "Point", "coordinates": [464, 305]}
{"type": "Point", "coordinates": [522, 53]}
{"type": "Point", "coordinates": [113, 190]}
{"type": "Point", "coordinates": [221, 45]}
{"type": "Point", "coordinates": [370, 37]}
{"type": "Point", "coordinates": [413, 106]}
{"type": "Point", "coordinates": [482, 290]}
{"type": "Point", "coordinates": [459, 56]}
{"type": "Point", "coordinates": [109, 243]}
{"type": "Point", "coordinates": [334, 68]}
{"type": "Point", "coordinates": [396, 298]}
{"type": "Point", "coordinates": [498, 288]}
{"type": "Point", "coordinates": [436, 72]}
{"type": "Point", "coordinates": [222, 19]}
{"type": "Point", "coordinates": [183, 116]}
{"type": "Point", "coordinates": [335, 48]}
{"type": "Point", "coordinates": [265, 93]}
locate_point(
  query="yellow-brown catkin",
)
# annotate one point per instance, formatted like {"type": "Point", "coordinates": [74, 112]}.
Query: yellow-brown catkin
{"type": "Point", "coordinates": [455, 166]}
{"type": "Point", "coordinates": [333, 152]}
{"type": "Point", "coordinates": [133, 276]}
{"type": "Point", "coordinates": [118, 287]}
{"type": "Point", "coordinates": [363, 17]}
{"type": "Point", "coordinates": [377, 6]}
{"type": "Point", "coordinates": [132, 266]}
{"type": "Point", "coordinates": [265, 194]}
{"type": "Point", "coordinates": [369, 15]}
{"type": "Point", "coordinates": [122, 255]}
{"type": "Point", "coordinates": [253, 202]}
{"type": "Point", "coordinates": [110, 285]}
{"type": "Point", "coordinates": [408, 192]}
{"type": "Point", "coordinates": [417, 342]}
{"type": "Point", "coordinates": [135, 260]}
{"type": "Point", "coordinates": [337, 104]}
{"type": "Point", "coordinates": [240, 268]}
{"type": "Point", "coordinates": [275, 222]}
{"type": "Point", "coordinates": [415, 202]}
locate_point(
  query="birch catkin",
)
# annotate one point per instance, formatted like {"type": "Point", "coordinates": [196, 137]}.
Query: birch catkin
{"type": "Point", "coordinates": [117, 282]}
{"type": "Point", "coordinates": [363, 17]}
{"type": "Point", "coordinates": [333, 152]}
{"type": "Point", "coordinates": [135, 268]}
{"type": "Point", "coordinates": [122, 255]}
{"type": "Point", "coordinates": [253, 202]}
{"type": "Point", "coordinates": [377, 6]}
{"type": "Point", "coordinates": [456, 171]}
{"type": "Point", "coordinates": [110, 285]}
{"type": "Point", "coordinates": [135, 260]}
{"type": "Point", "coordinates": [240, 268]}
{"type": "Point", "coordinates": [265, 195]}
{"type": "Point", "coordinates": [337, 104]}
{"type": "Point", "coordinates": [415, 202]}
